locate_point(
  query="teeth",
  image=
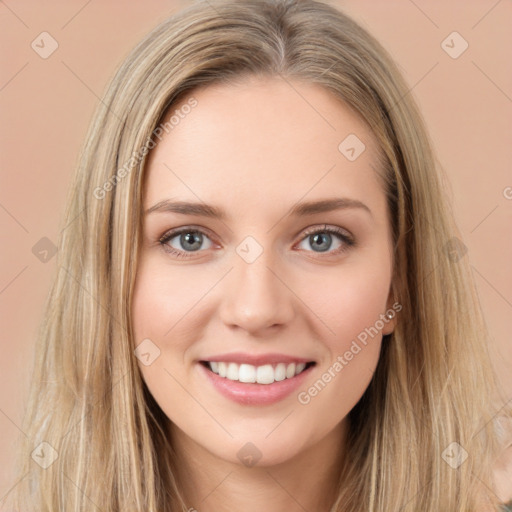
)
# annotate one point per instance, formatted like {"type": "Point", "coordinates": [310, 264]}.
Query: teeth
{"type": "Point", "coordinates": [247, 373]}
{"type": "Point", "coordinates": [232, 373]}
{"type": "Point", "coordinates": [280, 372]}
{"type": "Point", "coordinates": [299, 368]}
{"type": "Point", "coordinates": [266, 374]}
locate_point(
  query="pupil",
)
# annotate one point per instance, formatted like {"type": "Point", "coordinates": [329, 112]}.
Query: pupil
{"type": "Point", "coordinates": [322, 237]}
{"type": "Point", "coordinates": [191, 238]}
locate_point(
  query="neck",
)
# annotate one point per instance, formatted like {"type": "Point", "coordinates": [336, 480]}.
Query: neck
{"type": "Point", "coordinates": [307, 481]}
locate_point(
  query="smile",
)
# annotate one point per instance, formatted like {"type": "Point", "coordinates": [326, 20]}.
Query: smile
{"type": "Point", "coordinates": [264, 374]}
{"type": "Point", "coordinates": [256, 380]}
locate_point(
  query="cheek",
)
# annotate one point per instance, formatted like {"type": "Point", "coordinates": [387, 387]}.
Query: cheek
{"type": "Point", "coordinates": [157, 308]}
{"type": "Point", "coordinates": [161, 309]}
{"type": "Point", "coordinates": [165, 302]}
{"type": "Point", "coordinates": [351, 305]}
{"type": "Point", "coordinates": [349, 301]}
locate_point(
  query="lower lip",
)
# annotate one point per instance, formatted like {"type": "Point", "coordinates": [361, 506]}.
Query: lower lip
{"type": "Point", "coordinates": [253, 393]}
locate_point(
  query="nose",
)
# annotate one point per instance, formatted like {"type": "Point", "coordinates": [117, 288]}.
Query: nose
{"type": "Point", "coordinates": [255, 296]}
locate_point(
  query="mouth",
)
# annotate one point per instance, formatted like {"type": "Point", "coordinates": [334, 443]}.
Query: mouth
{"type": "Point", "coordinates": [252, 374]}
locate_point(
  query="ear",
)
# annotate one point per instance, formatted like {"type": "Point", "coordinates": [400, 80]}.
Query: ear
{"type": "Point", "coordinates": [393, 308]}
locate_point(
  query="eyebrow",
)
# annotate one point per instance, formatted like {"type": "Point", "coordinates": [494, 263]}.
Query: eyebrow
{"type": "Point", "coordinates": [299, 210]}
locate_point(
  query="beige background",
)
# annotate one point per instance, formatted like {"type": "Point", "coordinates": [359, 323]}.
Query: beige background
{"type": "Point", "coordinates": [46, 105]}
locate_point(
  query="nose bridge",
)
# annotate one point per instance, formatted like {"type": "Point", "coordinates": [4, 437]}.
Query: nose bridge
{"type": "Point", "coordinates": [254, 296]}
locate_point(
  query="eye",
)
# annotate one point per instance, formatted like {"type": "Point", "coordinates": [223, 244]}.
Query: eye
{"type": "Point", "coordinates": [322, 239]}
{"type": "Point", "coordinates": [188, 240]}
{"type": "Point", "coordinates": [183, 242]}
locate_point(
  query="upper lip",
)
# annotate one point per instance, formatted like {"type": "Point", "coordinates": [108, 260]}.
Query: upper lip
{"type": "Point", "coordinates": [256, 359]}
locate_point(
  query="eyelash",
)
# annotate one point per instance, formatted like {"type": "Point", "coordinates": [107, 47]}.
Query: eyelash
{"type": "Point", "coordinates": [347, 240]}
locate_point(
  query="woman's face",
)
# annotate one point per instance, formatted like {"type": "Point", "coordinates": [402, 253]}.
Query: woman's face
{"type": "Point", "coordinates": [266, 250]}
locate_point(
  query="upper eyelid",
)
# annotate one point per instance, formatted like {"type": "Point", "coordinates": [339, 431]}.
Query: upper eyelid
{"type": "Point", "coordinates": [171, 233]}
{"type": "Point", "coordinates": [326, 227]}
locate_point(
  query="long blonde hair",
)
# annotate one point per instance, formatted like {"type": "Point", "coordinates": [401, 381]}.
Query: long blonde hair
{"type": "Point", "coordinates": [433, 385]}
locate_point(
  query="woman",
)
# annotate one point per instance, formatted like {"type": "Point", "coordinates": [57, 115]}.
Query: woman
{"type": "Point", "coordinates": [319, 345]}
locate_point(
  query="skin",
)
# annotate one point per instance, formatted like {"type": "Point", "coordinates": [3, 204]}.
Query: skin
{"type": "Point", "coordinates": [255, 149]}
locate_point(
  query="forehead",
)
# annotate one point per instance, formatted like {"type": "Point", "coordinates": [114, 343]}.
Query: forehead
{"type": "Point", "coordinates": [263, 141]}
